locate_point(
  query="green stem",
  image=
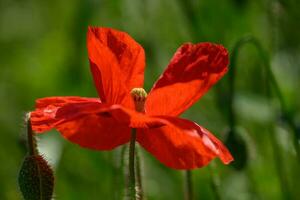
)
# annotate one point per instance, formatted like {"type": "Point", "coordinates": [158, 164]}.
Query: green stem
{"type": "Point", "coordinates": [281, 174]}
{"type": "Point", "coordinates": [139, 185]}
{"type": "Point", "coordinates": [132, 191]}
{"type": "Point", "coordinates": [214, 181]}
{"type": "Point", "coordinates": [188, 185]}
{"type": "Point", "coordinates": [32, 148]}
{"type": "Point", "coordinates": [231, 78]}
{"type": "Point", "coordinates": [119, 180]}
{"type": "Point", "coordinates": [271, 84]}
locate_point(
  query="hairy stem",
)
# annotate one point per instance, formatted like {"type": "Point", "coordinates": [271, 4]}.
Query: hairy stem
{"type": "Point", "coordinates": [32, 148]}
{"type": "Point", "coordinates": [132, 191]}
{"type": "Point", "coordinates": [139, 184]}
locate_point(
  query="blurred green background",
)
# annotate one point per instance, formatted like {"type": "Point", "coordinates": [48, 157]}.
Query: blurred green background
{"type": "Point", "coordinates": [43, 53]}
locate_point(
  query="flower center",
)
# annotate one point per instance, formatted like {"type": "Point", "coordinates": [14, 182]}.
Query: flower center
{"type": "Point", "coordinates": [139, 96]}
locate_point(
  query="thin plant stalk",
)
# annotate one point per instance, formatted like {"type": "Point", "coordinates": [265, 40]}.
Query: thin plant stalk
{"type": "Point", "coordinates": [119, 180]}
{"type": "Point", "coordinates": [189, 195]}
{"type": "Point", "coordinates": [271, 84]}
{"type": "Point", "coordinates": [32, 148]}
{"type": "Point", "coordinates": [214, 181]}
{"type": "Point", "coordinates": [284, 185]}
{"type": "Point", "coordinates": [139, 185]}
{"type": "Point", "coordinates": [132, 190]}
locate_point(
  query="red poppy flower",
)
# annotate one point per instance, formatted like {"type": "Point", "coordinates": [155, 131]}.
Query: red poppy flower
{"type": "Point", "coordinates": [117, 63]}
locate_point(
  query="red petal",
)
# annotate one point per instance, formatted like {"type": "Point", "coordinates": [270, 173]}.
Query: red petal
{"type": "Point", "coordinates": [117, 64]}
{"type": "Point", "coordinates": [183, 144]}
{"type": "Point", "coordinates": [135, 119]}
{"type": "Point", "coordinates": [84, 121]}
{"type": "Point", "coordinates": [190, 74]}
{"type": "Point", "coordinates": [44, 117]}
{"type": "Point", "coordinates": [88, 122]}
{"type": "Point", "coordinates": [94, 131]}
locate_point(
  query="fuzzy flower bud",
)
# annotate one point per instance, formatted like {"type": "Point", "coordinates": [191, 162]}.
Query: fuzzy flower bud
{"type": "Point", "coordinates": [36, 180]}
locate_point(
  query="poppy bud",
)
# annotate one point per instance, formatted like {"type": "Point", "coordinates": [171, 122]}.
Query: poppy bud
{"type": "Point", "coordinates": [139, 96]}
{"type": "Point", "coordinates": [36, 178]}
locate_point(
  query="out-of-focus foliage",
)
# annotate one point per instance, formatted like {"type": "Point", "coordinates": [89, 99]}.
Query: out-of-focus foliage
{"type": "Point", "coordinates": [43, 53]}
